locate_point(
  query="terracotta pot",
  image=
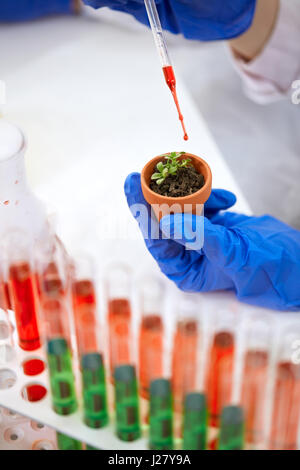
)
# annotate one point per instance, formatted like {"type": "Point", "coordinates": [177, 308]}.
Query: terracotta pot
{"type": "Point", "coordinates": [163, 205]}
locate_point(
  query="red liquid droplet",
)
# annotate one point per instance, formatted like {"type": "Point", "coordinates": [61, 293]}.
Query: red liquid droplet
{"type": "Point", "coordinates": [171, 82]}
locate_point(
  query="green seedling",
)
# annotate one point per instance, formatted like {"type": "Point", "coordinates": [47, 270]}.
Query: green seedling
{"type": "Point", "coordinates": [170, 167]}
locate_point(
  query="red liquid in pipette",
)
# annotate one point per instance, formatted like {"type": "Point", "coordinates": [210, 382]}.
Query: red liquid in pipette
{"type": "Point", "coordinates": [171, 82]}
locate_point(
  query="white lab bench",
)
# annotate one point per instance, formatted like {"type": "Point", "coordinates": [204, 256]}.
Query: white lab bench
{"type": "Point", "coordinates": [90, 96]}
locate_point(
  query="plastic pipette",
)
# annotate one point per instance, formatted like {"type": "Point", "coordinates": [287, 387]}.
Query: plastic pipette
{"type": "Point", "coordinates": [163, 54]}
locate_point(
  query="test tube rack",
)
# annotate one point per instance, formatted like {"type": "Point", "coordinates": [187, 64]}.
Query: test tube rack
{"type": "Point", "coordinates": [13, 380]}
{"type": "Point", "coordinates": [13, 383]}
{"type": "Point", "coordinates": [20, 433]}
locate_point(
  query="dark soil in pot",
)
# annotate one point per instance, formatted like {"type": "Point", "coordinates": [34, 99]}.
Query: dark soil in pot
{"type": "Point", "coordinates": [186, 181]}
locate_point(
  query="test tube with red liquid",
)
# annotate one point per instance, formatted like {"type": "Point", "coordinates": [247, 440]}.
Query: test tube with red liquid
{"type": "Point", "coordinates": [151, 333]}
{"type": "Point", "coordinates": [256, 361]}
{"type": "Point", "coordinates": [53, 280]}
{"type": "Point", "coordinates": [286, 395]}
{"type": "Point", "coordinates": [185, 349]}
{"type": "Point", "coordinates": [220, 362]}
{"type": "Point", "coordinates": [85, 304]}
{"type": "Point", "coordinates": [89, 343]}
{"type": "Point", "coordinates": [23, 289]}
{"type": "Point", "coordinates": [118, 289]}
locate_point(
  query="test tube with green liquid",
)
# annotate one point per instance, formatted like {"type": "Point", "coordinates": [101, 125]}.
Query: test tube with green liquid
{"type": "Point", "coordinates": [94, 390]}
{"type": "Point", "coordinates": [161, 415]}
{"type": "Point", "coordinates": [195, 422]}
{"type": "Point", "coordinates": [127, 404]}
{"type": "Point", "coordinates": [61, 377]}
{"type": "Point", "coordinates": [89, 343]}
{"type": "Point", "coordinates": [232, 428]}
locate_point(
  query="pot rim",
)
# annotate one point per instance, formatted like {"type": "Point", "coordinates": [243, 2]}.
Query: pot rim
{"type": "Point", "coordinates": [207, 178]}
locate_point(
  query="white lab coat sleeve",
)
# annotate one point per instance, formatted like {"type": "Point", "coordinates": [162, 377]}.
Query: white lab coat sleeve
{"type": "Point", "coordinates": [275, 73]}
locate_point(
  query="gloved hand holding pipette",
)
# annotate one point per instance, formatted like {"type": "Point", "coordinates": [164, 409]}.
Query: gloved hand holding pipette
{"type": "Point", "coordinates": [256, 257]}
{"type": "Point", "coordinates": [195, 19]}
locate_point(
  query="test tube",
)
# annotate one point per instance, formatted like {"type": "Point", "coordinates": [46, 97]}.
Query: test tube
{"type": "Point", "coordinates": [254, 379]}
{"type": "Point", "coordinates": [127, 404]}
{"type": "Point", "coordinates": [151, 333]}
{"type": "Point", "coordinates": [55, 307]}
{"type": "Point", "coordinates": [219, 378]}
{"type": "Point", "coordinates": [23, 289]}
{"type": "Point", "coordinates": [161, 415]}
{"type": "Point", "coordinates": [195, 422]}
{"type": "Point", "coordinates": [84, 299]}
{"type": "Point", "coordinates": [89, 345]}
{"type": "Point", "coordinates": [286, 399]}
{"type": "Point", "coordinates": [118, 286]}
{"type": "Point", "coordinates": [94, 390]}
{"type": "Point", "coordinates": [185, 348]}
{"type": "Point", "coordinates": [232, 428]}
{"type": "Point", "coordinates": [61, 376]}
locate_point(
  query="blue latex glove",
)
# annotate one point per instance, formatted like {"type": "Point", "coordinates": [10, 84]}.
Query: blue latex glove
{"type": "Point", "coordinates": [21, 10]}
{"type": "Point", "coordinates": [257, 257]}
{"type": "Point", "coordinates": [204, 20]}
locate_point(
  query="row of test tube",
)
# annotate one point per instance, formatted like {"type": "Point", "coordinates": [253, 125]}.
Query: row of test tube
{"type": "Point", "coordinates": [209, 384]}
